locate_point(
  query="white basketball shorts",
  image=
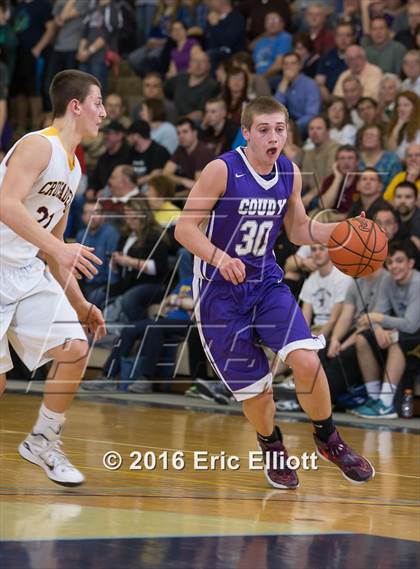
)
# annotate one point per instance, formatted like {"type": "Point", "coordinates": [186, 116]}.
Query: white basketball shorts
{"type": "Point", "coordinates": [35, 315]}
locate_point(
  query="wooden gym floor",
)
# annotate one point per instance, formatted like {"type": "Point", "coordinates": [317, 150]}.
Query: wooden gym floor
{"type": "Point", "coordinates": [200, 519]}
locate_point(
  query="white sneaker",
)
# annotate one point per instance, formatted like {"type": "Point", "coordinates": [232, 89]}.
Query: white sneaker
{"type": "Point", "coordinates": [45, 451]}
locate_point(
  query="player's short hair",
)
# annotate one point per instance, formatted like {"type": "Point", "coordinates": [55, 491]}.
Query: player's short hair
{"type": "Point", "coordinates": [406, 246]}
{"type": "Point", "coordinates": [407, 184]}
{"type": "Point", "coordinates": [67, 85]}
{"type": "Point", "coordinates": [164, 186]}
{"type": "Point", "coordinates": [261, 106]}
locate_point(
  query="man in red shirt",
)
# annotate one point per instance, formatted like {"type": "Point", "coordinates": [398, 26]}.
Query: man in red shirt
{"type": "Point", "coordinates": [189, 159]}
{"type": "Point", "coordinates": [316, 19]}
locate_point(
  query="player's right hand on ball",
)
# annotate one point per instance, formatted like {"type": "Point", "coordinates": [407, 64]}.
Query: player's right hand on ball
{"type": "Point", "coordinates": [78, 259]}
{"type": "Point", "coordinates": [232, 270]}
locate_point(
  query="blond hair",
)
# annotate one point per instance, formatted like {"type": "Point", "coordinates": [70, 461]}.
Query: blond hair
{"type": "Point", "coordinates": [261, 106]}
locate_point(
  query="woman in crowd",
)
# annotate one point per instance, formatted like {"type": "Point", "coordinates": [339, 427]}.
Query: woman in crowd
{"type": "Point", "coordinates": [304, 47]}
{"type": "Point", "coordinates": [181, 52]}
{"type": "Point", "coordinates": [141, 264]}
{"type": "Point", "coordinates": [258, 85]}
{"type": "Point", "coordinates": [342, 130]}
{"type": "Point", "coordinates": [371, 142]}
{"type": "Point", "coordinates": [404, 126]}
{"type": "Point", "coordinates": [161, 131]}
{"type": "Point", "coordinates": [160, 191]}
{"type": "Point", "coordinates": [235, 94]}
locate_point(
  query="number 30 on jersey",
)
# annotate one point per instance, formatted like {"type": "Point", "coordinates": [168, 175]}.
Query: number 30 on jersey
{"type": "Point", "coordinates": [254, 239]}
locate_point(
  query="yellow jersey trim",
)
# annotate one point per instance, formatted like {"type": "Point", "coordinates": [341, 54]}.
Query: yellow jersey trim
{"type": "Point", "coordinates": [52, 131]}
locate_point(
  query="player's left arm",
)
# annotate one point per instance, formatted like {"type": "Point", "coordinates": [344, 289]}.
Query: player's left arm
{"type": "Point", "coordinates": [301, 229]}
{"type": "Point", "coordinates": [89, 315]}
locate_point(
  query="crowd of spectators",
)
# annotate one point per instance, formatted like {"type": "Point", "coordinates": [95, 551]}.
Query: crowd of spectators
{"type": "Point", "coordinates": [348, 72]}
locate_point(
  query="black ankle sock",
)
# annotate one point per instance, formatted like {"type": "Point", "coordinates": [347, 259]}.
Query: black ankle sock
{"type": "Point", "coordinates": [274, 437]}
{"type": "Point", "coordinates": [324, 429]}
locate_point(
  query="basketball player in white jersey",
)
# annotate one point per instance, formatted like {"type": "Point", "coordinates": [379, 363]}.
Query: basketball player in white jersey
{"type": "Point", "coordinates": [41, 305]}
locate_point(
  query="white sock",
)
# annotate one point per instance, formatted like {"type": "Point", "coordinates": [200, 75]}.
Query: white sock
{"type": "Point", "coordinates": [47, 418]}
{"type": "Point", "coordinates": [387, 393]}
{"type": "Point", "coordinates": [373, 389]}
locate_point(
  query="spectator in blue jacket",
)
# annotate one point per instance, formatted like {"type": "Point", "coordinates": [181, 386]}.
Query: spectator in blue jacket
{"type": "Point", "coordinates": [333, 63]}
{"type": "Point", "coordinates": [299, 93]}
{"type": "Point", "coordinates": [225, 32]}
{"type": "Point", "coordinates": [104, 238]}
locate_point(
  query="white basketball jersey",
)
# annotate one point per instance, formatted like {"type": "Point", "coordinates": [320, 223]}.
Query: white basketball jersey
{"type": "Point", "coordinates": [47, 202]}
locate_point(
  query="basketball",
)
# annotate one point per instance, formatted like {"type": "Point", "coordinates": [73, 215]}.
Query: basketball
{"type": "Point", "coordinates": [358, 247]}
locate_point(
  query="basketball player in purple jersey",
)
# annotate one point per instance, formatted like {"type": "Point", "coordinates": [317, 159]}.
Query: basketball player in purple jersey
{"type": "Point", "coordinates": [244, 197]}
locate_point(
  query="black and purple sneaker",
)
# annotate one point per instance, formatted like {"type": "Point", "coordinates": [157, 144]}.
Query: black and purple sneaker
{"type": "Point", "coordinates": [354, 467]}
{"type": "Point", "coordinates": [275, 468]}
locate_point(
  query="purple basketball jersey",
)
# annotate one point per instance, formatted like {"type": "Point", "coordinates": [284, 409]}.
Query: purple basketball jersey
{"type": "Point", "coordinates": [246, 220]}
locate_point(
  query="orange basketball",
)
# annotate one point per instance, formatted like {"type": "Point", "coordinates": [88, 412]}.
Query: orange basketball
{"type": "Point", "coordinates": [358, 247]}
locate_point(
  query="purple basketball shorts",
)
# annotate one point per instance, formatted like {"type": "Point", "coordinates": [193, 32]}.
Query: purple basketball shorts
{"type": "Point", "coordinates": [234, 322]}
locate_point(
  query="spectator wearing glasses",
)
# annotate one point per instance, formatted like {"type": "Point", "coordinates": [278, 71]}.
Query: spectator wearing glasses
{"type": "Point", "coordinates": [411, 69]}
{"type": "Point", "coordinates": [269, 49]}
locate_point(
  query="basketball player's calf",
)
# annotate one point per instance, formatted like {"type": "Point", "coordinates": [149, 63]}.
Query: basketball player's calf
{"type": "Point", "coordinates": [260, 411]}
{"type": "Point", "coordinates": [314, 396]}
{"type": "Point", "coordinates": [42, 445]}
